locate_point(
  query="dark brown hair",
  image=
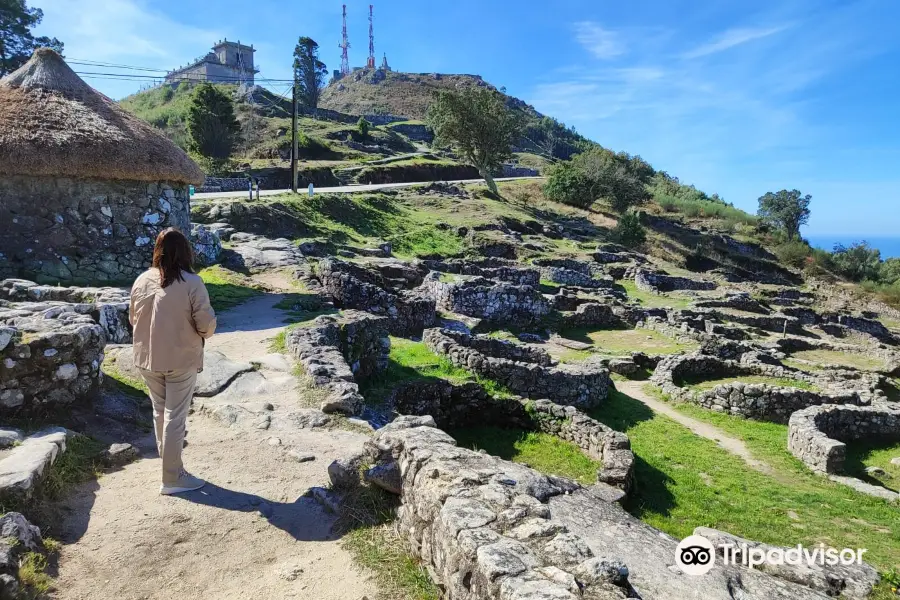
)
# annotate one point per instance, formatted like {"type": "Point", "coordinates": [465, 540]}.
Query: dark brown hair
{"type": "Point", "coordinates": [172, 254]}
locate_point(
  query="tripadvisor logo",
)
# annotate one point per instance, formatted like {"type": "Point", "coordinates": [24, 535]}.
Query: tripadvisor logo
{"type": "Point", "coordinates": [696, 555]}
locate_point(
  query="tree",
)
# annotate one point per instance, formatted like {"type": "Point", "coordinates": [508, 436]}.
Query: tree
{"type": "Point", "coordinates": [786, 209]}
{"type": "Point", "coordinates": [363, 127]}
{"type": "Point", "coordinates": [612, 177]}
{"type": "Point", "coordinates": [16, 40]}
{"type": "Point", "coordinates": [211, 123]}
{"type": "Point", "coordinates": [858, 261]}
{"type": "Point", "coordinates": [478, 124]}
{"type": "Point", "coordinates": [309, 72]}
{"type": "Point", "coordinates": [569, 185]}
{"type": "Point", "coordinates": [628, 231]}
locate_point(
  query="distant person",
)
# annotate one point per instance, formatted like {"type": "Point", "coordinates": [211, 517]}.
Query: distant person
{"type": "Point", "coordinates": [172, 317]}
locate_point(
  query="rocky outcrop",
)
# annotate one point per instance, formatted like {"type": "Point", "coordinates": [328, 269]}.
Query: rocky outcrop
{"type": "Point", "coordinates": [17, 538]}
{"type": "Point", "coordinates": [353, 287]}
{"type": "Point", "coordinates": [583, 385]}
{"type": "Point", "coordinates": [253, 253]}
{"type": "Point", "coordinates": [207, 245]}
{"type": "Point", "coordinates": [501, 303]}
{"type": "Point", "coordinates": [337, 352]}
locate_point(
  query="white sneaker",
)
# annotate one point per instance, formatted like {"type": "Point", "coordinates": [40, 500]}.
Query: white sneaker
{"type": "Point", "coordinates": [186, 483]}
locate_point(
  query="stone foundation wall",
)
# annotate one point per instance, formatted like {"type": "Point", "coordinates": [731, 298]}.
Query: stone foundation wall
{"type": "Point", "coordinates": [489, 269]}
{"type": "Point", "coordinates": [817, 435]}
{"type": "Point", "coordinates": [590, 315]}
{"type": "Point", "coordinates": [653, 281]}
{"type": "Point", "coordinates": [48, 359]}
{"type": "Point", "coordinates": [754, 401]}
{"type": "Point", "coordinates": [84, 230]}
{"type": "Point", "coordinates": [583, 385]}
{"type": "Point", "coordinates": [337, 352]}
{"type": "Point", "coordinates": [501, 303]}
{"type": "Point", "coordinates": [353, 287]}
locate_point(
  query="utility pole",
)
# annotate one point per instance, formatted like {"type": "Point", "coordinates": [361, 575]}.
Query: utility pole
{"type": "Point", "coordinates": [295, 150]}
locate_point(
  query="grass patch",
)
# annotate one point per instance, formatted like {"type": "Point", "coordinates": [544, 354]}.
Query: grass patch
{"type": "Point", "coordinates": [651, 300]}
{"type": "Point", "coordinates": [625, 341]}
{"type": "Point", "coordinates": [227, 288]}
{"type": "Point", "coordinates": [541, 451]}
{"type": "Point", "coordinates": [864, 454]}
{"type": "Point", "coordinates": [277, 343]}
{"type": "Point", "coordinates": [700, 384]}
{"type": "Point", "coordinates": [135, 387]}
{"type": "Point", "coordinates": [80, 462]}
{"type": "Point", "coordinates": [33, 575]}
{"type": "Point", "coordinates": [410, 361]}
{"type": "Point", "coordinates": [845, 359]}
{"type": "Point", "coordinates": [802, 366]}
{"type": "Point", "coordinates": [426, 240]}
{"type": "Point", "coordinates": [796, 507]}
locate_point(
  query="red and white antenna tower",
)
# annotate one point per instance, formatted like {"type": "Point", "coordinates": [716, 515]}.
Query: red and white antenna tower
{"type": "Point", "coordinates": [344, 45]}
{"type": "Point", "coordinates": [370, 64]}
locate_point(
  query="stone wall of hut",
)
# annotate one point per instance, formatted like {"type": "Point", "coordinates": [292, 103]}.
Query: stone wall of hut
{"type": "Point", "coordinates": [84, 231]}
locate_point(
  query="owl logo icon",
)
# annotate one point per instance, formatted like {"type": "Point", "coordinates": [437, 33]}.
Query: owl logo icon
{"type": "Point", "coordinates": [695, 555]}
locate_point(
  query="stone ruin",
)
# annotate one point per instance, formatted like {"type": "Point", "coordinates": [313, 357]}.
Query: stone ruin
{"type": "Point", "coordinates": [496, 302]}
{"type": "Point", "coordinates": [657, 281]}
{"type": "Point", "coordinates": [751, 400]}
{"type": "Point", "coordinates": [488, 528]}
{"type": "Point", "coordinates": [522, 369]}
{"type": "Point", "coordinates": [337, 352]}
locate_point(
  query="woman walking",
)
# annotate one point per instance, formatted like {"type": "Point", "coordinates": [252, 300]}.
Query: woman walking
{"type": "Point", "coordinates": [171, 316]}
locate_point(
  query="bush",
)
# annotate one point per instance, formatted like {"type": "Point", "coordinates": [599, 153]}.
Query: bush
{"type": "Point", "coordinates": [568, 185]}
{"type": "Point", "coordinates": [628, 231]}
{"type": "Point", "coordinates": [793, 253]}
{"type": "Point", "coordinates": [857, 262]}
{"type": "Point", "coordinates": [363, 127]}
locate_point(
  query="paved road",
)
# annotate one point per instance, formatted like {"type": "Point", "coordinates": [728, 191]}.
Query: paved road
{"type": "Point", "coordinates": [345, 189]}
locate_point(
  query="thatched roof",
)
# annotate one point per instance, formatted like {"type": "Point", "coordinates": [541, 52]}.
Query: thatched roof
{"type": "Point", "coordinates": [54, 124]}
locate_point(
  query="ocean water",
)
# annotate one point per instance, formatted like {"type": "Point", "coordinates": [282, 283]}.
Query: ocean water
{"type": "Point", "coordinates": [889, 246]}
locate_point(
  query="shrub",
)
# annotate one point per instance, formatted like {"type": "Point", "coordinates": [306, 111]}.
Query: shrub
{"type": "Point", "coordinates": [858, 261]}
{"type": "Point", "coordinates": [568, 185]}
{"type": "Point", "coordinates": [628, 231]}
{"type": "Point", "coordinates": [793, 253]}
{"type": "Point", "coordinates": [363, 127]}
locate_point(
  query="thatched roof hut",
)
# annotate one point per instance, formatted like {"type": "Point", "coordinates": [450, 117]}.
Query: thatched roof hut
{"type": "Point", "coordinates": [84, 186]}
{"type": "Point", "coordinates": [54, 124]}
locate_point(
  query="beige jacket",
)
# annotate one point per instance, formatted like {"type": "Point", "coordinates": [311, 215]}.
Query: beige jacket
{"type": "Point", "coordinates": [170, 324]}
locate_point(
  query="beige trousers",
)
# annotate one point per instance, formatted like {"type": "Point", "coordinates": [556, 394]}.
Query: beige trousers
{"type": "Point", "coordinates": [171, 393]}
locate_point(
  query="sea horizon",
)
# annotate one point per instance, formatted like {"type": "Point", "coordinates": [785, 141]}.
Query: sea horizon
{"type": "Point", "coordinates": [888, 245]}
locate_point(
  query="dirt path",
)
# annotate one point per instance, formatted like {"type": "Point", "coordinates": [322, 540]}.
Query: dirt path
{"type": "Point", "coordinates": [634, 389]}
{"type": "Point", "coordinates": [249, 533]}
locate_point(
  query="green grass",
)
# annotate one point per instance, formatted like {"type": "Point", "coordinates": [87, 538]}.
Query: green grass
{"type": "Point", "coordinates": [708, 384]}
{"type": "Point", "coordinates": [133, 386]}
{"type": "Point", "coordinates": [797, 506]}
{"type": "Point", "coordinates": [651, 300]}
{"type": "Point", "coordinates": [866, 454]}
{"type": "Point", "coordinates": [411, 361]}
{"type": "Point", "coordinates": [227, 288]}
{"type": "Point", "coordinates": [704, 209]}
{"type": "Point", "coordinates": [834, 357]}
{"type": "Point", "coordinates": [802, 366]}
{"type": "Point", "coordinates": [541, 451]}
{"type": "Point", "coordinates": [33, 575]}
{"type": "Point", "coordinates": [426, 240]}
{"type": "Point", "coordinates": [625, 341]}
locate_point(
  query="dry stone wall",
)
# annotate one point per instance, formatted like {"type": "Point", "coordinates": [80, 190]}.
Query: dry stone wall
{"type": "Point", "coordinates": [817, 435]}
{"type": "Point", "coordinates": [753, 400]}
{"type": "Point", "coordinates": [409, 311]}
{"type": "Point", "coordinates": [501, 303]}
{"type": "Point", "coordinates": [584, 385]}
{"type": "Point", "coordinates": [84, 230]}
{"type": "Point", "coordinates": [490, 268]}
{"type": "Point", "coordinates": [337, 352]}
{"type": "Point", "coordinates": [655, 281]}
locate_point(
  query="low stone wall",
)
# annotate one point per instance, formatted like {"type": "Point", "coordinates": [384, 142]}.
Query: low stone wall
{"type": "Point", "coordinates": [654, 281]}
{"type": "Point", "coordinates": [568, 271]}
{"type": "Point", "coordinates": [489, 269]}
{"type": "Point", "coordinates": [754, 401]}
{"type": "Point", "coordinates": [739, 301]}
{"type": "Point", "coordinates": [817, 435]}
{"type": "Point", "coordinates": [337, 352]}
{"type": "Point", "coordinates": [584, 385]}
{"type": "Point", "coordinates": [501, 303]}
{"type": "Point", "coordinates": [353, 287]}
{"type": "Point", "coordinates": [48, 358]}
{"type": "Point", "coordinates": [490, 537]}
{"type": "Point", "coordinates": [107, 306]}
{"type": "Point", "coordinates": [230, 184]}
{"type": "Point", "coordinates": [467, 404]}
{"type": "Point", "coordinates": [590, 315]}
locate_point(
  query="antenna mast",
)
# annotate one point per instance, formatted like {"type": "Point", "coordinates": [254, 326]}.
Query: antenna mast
{"type": "Point", "coordinates": [370, 64]}
{"type": "Point", "coordinates": [344, 45]}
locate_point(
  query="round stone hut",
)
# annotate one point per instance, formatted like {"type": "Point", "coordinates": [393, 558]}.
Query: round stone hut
{"type": "Point", "coordinates": [84, 185]}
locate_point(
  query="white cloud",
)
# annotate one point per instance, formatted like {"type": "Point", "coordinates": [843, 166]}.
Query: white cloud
{"type": "Point", "coordinates": [733, 37]}
{"type": "Point", "coordinates": [129, 32]}
{"type": "Point", "coordinates": [602, 43]}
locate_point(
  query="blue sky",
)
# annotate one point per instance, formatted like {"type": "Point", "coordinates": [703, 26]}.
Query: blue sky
{"type": "Point", "coordinates": [736, 97]}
